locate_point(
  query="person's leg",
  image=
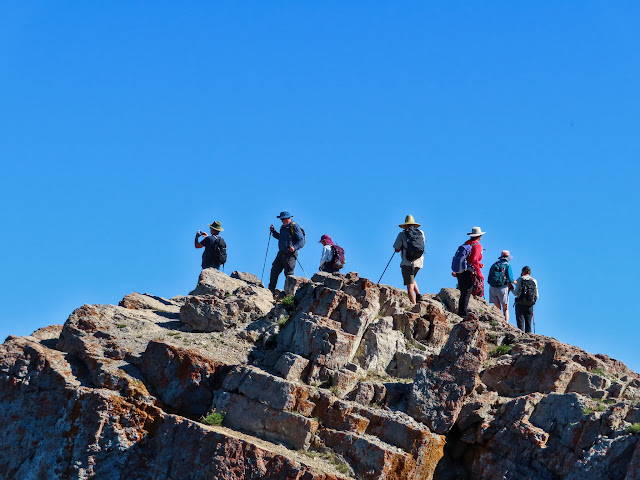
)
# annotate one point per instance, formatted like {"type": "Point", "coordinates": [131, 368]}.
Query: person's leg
{"type": "Point", "coordinates": [465, 283]}
{"type": "Point", "coordinates": [528, 315]}
{"type": "Point", "coordinates": [519, 317]}
{"type": "Point", "coordinates": [505, 310]}
{"type": "Point", "coordinates": [416, 290]}
{"type": "Point", "coordinates": [289, 263]}
{"type": "Point", "coordinates": [411, 292]}
{"type": "Point", "coordinates": [276, 268]}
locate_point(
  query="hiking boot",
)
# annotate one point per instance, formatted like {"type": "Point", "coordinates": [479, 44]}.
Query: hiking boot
{"type": "Point", "coordinates": [418, 298]}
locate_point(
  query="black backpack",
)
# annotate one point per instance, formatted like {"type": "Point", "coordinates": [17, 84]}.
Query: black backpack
{"type": "Point", "coordinates": [415, 243]}
{"type": "Point", "coordinates": [527, 295]}
{"type": "Point", "coordinates": [293, 230]}
{"type": "Point", "coordinates": [337, 260]}
{"type": "Point", "coordinates": [220, 251]}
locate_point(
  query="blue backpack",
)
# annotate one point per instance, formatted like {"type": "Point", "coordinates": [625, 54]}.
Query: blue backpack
{"type": "Point", "coordinates": [459, 263]}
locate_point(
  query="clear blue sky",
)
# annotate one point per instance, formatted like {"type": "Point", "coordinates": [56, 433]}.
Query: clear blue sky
{"type": "Point", "coordinates": [125, 128]}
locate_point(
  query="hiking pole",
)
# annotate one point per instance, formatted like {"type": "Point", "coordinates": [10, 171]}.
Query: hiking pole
{"type": "Point", "coordinates": [305, 273]}
{"type": "Point", "coordinates": [265, 256]}
{"type": "Point", "coordinates": [385, 268]}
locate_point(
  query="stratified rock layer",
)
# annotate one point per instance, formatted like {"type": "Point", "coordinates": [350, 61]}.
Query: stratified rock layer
{"type": "Point", "coordinates": [351, 381]}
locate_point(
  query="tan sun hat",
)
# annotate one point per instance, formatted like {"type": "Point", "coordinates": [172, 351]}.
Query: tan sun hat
{"type": "Point", "coordinates": [409, 222]}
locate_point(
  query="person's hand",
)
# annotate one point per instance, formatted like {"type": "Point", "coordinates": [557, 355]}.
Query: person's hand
{"type": "Point", "coordinates": [482, 265]}
{"type": "Point", "coordinates": [454, 274]}
{"type": "Point", "coordinates": [271, 229]}
{"type": "Point", "coordinates": [291, 249]}
{"type": "Point", "coordinates": [204, 234]}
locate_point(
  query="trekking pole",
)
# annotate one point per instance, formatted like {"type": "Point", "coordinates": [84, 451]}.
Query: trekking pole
{"type": "Point", "coordinates": [305, 273]}
{"type": "Point", "coordinates": [385, 268]}
{"type": "Point", "coordinates": [265, 256]}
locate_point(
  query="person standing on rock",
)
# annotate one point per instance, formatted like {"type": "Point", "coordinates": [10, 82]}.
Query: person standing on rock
{"type": "Point", "coordinates": [215, 248]}
{"type": "Point", "coordinates": [501, 283]}
{"type": "Point", "coordinates": [290, 240]}
{"type": "Point", "coordinates": [526, 293]}
{"type": "Point", "coordinates": [332, 258]}
{"type": "Point", "coordinates": [411, 243]}
{"type": "Point", "coordinates": [471, 280]}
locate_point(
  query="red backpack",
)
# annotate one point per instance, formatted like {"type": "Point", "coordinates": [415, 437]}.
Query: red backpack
{"type": "Point", "coordinates": [337, 260]}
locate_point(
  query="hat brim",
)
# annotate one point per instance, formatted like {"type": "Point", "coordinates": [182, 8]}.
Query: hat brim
{"type": "Point", "coordinates": [471, 234]}
{"type": "Point", "coordinates": [217, 229]}
{"type": "Point", "coordinates": [402, 225]}
{"type": "Point", "coordinates": [284, 218]}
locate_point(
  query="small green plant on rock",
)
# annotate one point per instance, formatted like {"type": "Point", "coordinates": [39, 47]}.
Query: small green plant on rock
{"type": "Point", "coordinates": [212, 418]}
{"type": "Point", "coordinates": [598, 371]}
{"type": "Point", "coordinates": [587, 411]}
{"type": "Point", "coordinates": [493, 323]}
{"type": "Point", "coordinates": [289, 303]}
{"type": "Point", "coordinates": [633, 429]}
{"type": "Point", "coordinates": [122, 325]}
{"type": "Point", "coordinates": [500, 350]}
{"type": "Point", "coordinates": [282, 321]}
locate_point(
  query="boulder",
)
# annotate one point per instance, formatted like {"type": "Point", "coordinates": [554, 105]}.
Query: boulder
{"type": "Point", "coordinates": [443, 382]}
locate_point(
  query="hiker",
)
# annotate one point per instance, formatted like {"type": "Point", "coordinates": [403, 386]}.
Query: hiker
{"type": "Point", "coordinates": [290, 240]}
{"type": "Point", "coordinates": [500, 282]}
{"type": "Point", "coordinates": [526, 293]}
{"type": "Point", "coordinates": [215, 248]}
{"type": "Point", "coordinates": [467, 268]}
{"type": "Point", "coordinates": [411, 243]}
{"type": "Point", "coordinates": [332, 258]}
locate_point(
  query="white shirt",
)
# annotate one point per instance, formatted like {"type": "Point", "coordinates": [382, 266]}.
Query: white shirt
{"type": "Point", "coordinates": [327, 255]}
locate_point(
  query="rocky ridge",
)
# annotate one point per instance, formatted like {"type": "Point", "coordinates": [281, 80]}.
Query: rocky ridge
{"type": "Point", "coordinates": [345, 379]}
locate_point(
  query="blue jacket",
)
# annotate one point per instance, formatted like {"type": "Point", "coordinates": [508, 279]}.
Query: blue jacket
{"type": "Point", "coordinates": [285, 239]}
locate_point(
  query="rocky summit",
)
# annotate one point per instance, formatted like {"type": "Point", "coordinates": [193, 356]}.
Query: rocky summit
{"type": "Point", "coordinates": [342, 378]}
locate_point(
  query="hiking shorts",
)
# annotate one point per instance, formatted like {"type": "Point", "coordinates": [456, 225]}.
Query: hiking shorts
{"type": "Point", "coordinates": [409, 274]}
{"type": "Point", "coordinates": [499, 295]}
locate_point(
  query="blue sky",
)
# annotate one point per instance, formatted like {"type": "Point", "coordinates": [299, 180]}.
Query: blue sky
{"type": "Point", "coordinates": [125, 128]}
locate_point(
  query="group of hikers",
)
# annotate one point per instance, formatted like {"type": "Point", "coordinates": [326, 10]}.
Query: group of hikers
{"type": "Point", "coordinates": [466, 265]}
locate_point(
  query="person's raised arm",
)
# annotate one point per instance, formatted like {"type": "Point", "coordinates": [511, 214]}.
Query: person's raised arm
{"type": "Point", "coordinates": [197, 243]}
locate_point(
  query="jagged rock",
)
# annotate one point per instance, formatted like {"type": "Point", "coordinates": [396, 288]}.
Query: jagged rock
{"type": "Point", "coordinates": [220, 302]}
{"type": "Point", "coordinates": [247, 277]}
{"type": "Point", "coordinates": [187, 379]}
{"type": "Point", "coordinates": [291, 366]}
{"type": "Point", "coordinates": [89, 399]}
{"type": "Point", "coordinates": [144, 301]}
{"type": "Point", "coordinates": [379, 345]}
{"type": "Point", "coordinates": [441, 385]}
{"type": "Point", "coordinates": [293, 283]}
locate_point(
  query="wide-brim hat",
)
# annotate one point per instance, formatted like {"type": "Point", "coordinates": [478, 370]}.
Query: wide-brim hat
{"type": "Point", "coordinates": [284, 215]}
{"type": "Point", "coordinates": [476, 232]}
{"type": "Point", "coordinates": [505, 254]}
{"type": "Point", "coordinates": [216, 226]}
{"type": "Point", "coordinates": [409, 222]}
{"type": "Point", "coordinates": [327, 239]}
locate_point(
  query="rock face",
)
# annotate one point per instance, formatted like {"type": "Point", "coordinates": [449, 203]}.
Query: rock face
{"type": "Point", "coordinates": [351, 381]}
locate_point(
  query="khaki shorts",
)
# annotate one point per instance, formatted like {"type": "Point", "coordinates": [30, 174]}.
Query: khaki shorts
{"type": "Point", "coordinates": [499, 295]}
{"type": "Point", "coordinates": [409, 274]}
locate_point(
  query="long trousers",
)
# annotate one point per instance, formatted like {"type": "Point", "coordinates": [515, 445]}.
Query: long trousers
{"type": "Point", "coordinates": [284, 261]}
{"type": "Point", "coordinates": [465, 284]}
{"type": "Point", "coordinates": [524, 315]}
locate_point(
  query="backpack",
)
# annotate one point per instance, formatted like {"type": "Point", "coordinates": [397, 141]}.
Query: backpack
{"type": "Point", "coordinates": [498, 274]}
{"type": "Point", "coordinates": [415, 243]}
{"type": "Point", "coordinates": [459, 263]}
{"type": "Point", "coordinates": [304, 239]}
{"type": "Point", "coordinates": [337, 260]}
{"type": "Point", "coordinates": [220, 251]}
{"type": "Point", "coordinates": [527, 292]}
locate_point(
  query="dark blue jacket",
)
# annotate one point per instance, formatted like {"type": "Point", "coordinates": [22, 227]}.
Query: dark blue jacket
{"type": "Point", "coordinates": [285, 239]}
